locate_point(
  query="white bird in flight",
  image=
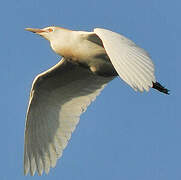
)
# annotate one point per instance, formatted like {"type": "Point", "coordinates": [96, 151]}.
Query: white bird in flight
{"type": "Point", "coordinates": [61, 94]}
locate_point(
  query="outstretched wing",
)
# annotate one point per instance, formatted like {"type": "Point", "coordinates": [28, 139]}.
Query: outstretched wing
{"type": "Point", "coordinates": [58, 97]}
{"type": "Point", "coordinates": [131, 62]}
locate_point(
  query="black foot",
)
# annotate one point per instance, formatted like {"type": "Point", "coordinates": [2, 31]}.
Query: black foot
{"type": "Point", "coordinates": [160, 88]}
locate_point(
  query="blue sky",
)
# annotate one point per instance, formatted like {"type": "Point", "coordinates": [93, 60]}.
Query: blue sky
{"type": "Point", "coordinates": [123, 134]}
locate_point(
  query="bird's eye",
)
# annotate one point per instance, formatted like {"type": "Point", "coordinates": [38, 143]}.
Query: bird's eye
{"type": "Point", "coordinates": [50, 29]}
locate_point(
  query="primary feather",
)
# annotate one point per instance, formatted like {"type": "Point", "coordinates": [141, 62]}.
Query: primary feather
{"type": "Point", "coordinates": [58, 98]}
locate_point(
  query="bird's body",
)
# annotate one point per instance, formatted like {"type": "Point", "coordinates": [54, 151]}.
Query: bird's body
{"type": "Point", "coordinates": [61, 94]}
{"type": "Point", "coordinates": [77, 48]}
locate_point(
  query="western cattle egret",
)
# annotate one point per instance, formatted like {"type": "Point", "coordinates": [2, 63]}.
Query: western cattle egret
{"type": "Point", "coordinates": [61, 94]}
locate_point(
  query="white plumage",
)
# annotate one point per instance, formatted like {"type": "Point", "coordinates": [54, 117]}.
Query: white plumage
{"type": "Point", "coordinates": [61, 94]}
{"type": "Point", "coordinates": [131, 62]}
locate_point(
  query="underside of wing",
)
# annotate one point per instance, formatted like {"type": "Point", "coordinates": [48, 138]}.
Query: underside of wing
{"type": "Point", "coordinates": [131, 62]}
{"type": "Point", "coordinates": [57, 99]}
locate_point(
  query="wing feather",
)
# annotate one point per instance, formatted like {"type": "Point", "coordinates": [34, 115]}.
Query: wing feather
{"type": "Point", "coordinates": [132, 63]}
{"type": "Point", "coordinates": [57, 99]}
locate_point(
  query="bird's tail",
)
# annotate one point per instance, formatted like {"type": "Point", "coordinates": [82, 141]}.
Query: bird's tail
{"type": "Point", "coordinates": [160, 88]}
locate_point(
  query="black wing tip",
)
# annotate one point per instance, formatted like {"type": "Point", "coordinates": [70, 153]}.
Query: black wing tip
{"type": "Point", "coordinates": [160, 88]}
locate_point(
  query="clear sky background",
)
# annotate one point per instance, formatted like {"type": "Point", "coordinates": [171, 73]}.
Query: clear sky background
{"type": "Point", "coordinates": [123, 135]}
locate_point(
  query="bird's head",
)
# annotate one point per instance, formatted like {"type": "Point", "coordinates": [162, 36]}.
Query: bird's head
{"type": "Point", "coordinates": [48, 33]}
